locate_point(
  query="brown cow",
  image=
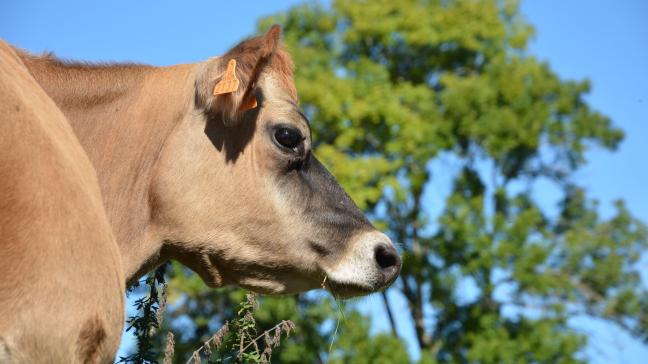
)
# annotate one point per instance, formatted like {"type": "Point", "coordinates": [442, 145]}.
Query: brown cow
{"type": "Point", "coordinates": [61, 279]}
{"type": "Point", "coordinates": [225, 183]}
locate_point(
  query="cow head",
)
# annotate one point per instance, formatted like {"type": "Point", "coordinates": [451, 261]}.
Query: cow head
{"type": "Point", "coordinates": [241, 198]}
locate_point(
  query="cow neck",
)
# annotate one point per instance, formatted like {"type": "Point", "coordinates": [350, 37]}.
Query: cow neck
{"type": "Point", "coordinates": [122, 115]}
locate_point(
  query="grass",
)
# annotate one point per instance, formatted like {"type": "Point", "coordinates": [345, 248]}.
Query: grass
{"type": "Point", "coordinates": [237, 341]}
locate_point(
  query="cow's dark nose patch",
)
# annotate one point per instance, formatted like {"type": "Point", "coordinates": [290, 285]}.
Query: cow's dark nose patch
{"type": "Point", "coordinates": [386, 257]}
{"type": "Point", "coordinates": [389, 262]}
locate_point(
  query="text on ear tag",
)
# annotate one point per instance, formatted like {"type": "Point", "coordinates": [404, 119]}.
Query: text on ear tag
{"type": "Point", "coordinates": [229, 83]}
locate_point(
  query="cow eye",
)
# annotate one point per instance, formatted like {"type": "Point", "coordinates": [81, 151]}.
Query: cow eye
{"type": "Point", "coordinates": [288, 137]}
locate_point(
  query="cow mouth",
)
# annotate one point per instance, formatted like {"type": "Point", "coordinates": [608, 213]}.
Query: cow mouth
{"type": "Point", "coordinates": [346, 290]}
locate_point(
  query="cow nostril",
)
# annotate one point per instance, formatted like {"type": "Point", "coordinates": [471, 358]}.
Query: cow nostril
{"type": "Point", "coordinates": [386, 256]}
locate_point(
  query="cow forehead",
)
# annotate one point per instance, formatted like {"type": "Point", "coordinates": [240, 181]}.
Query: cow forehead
{"type": "Point", "coordinates": [281, 67]}
{"type": "Point", "coordinates": [279, 102]}
{"type": "Point", "coordinates": [275, 87]}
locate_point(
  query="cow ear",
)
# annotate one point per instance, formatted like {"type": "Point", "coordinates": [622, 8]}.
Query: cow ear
{"type": "Point", "coordinates": [226, 85]}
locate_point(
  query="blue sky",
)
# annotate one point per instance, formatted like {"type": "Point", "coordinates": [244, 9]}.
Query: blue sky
{"type": "Point", "coordinates": [604, 41]}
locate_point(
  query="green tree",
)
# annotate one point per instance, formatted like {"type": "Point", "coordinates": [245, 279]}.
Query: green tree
{"type": "Point", "coordinates": [393, 87]}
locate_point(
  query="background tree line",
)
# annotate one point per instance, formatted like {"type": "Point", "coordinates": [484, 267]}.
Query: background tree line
{"type": "Point", "coordinates": [402, 95]}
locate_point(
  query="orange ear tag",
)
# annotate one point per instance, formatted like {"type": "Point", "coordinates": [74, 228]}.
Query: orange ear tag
{"type": "Point", "coordinates": [229, 83]}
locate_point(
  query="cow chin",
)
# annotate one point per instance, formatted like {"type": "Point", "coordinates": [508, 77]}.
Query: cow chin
{"type": "Point", "coordinates": [341, 285]}
{"type": "Point", "coordinates": [343, 290]}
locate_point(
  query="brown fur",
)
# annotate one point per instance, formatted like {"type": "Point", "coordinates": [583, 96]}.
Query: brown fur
{"type": "Point", "coordinates": [51, 221]}
{"type": "Point", "coordinates": [91, 340]}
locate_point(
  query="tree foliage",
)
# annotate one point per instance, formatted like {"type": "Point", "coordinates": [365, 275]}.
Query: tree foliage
{"type": "Point", "coordinates": [393, 88]}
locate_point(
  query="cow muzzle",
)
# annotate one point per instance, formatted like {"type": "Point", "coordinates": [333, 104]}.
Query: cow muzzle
{"type": "Point", "coordinates": [371, 264]}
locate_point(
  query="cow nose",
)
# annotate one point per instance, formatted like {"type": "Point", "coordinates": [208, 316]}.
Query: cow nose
{"type": "Point", "coordinates": [388, 260]}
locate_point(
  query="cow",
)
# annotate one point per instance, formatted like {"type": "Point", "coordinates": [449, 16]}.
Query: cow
{"type": "Point", "coordinates": [211, 164]}
{"type": "Point", "coordinates": [61, 276]}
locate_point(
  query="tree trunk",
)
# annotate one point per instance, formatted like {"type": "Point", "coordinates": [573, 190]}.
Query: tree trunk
{"type": "Point", "coordinates": [390, 315]}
